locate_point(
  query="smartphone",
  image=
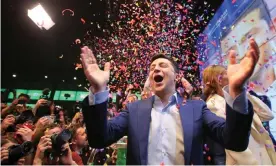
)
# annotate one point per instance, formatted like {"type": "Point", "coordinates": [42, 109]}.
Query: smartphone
{"type": "Point", "coordinates": [51, 118]}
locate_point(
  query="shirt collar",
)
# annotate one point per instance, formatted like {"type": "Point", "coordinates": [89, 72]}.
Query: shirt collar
{"type": "Point", "coordinates": [173, 99]}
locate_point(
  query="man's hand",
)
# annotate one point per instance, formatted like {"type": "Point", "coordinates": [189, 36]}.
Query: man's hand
{"type": "Point", "coordinates": [25, 133]}
{"type": "Point", "coordinates": [238, 74]}
{"type": "Point", "coordinates": [14, 102]}
{"type": "Point", "coordinates": [5, 156]}
{"type": "Point", "coordinates": [8, 121]}
{"type": "Point", "coordinates": [4, 153]}
{"type": "Point", "coordinates": [42, 122]}
{"type": "Point", "coordinates": [187, 86]}
{"type": "Point", "coordinates": [97, 78]}
{"type": "Point", "coordinates": [21, 161]}
{"type": "Point", "coordinates": [41, 102]}
{"type": "Point", "coordinates": [44, 144]}
{"type": "Point", "coordinates": [66, 158]}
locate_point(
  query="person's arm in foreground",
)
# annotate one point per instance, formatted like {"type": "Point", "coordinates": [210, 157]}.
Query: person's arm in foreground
{"type": "Point", "coordinates": [234, 133]}
{"type": "Point", "coordinates": [6, 111]}
{"type": "Point", "coordinates": [100, 131]}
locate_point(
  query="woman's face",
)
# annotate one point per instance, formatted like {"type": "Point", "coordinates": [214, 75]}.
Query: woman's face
{"type": "Point", "coordinates": [61, 116]}
{"type": "Point", "coordinates": [223, 79]}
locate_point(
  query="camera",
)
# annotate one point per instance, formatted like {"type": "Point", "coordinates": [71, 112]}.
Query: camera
{"type": "Point", "coordinates": [18, 151]}
{"type": "Point", "coordinates": [22, 101]}
{"type": "Point", "coordinates": [44, 109]}
{"type": "Point", "coordinates": [58, 140]}
{"type": "Point", "coordinates": [66, 95]}
{"type": "Point", "coordinates": [45, 94]}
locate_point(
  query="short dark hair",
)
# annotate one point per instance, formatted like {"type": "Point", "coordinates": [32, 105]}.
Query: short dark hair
{"type": "Point", "coordinates": [174, 64]}
{"type": "Point", "coordinates": [24, 95]}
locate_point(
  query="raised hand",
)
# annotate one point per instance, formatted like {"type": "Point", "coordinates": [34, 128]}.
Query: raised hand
{"type": "Point", "coordinates": [66, 158]}
{"type": "Point", "coordinates": [42, 122]}
{"type": "Point", "coordinates": [188, 87]}
{"type": "Point", "coordinates": [238, 74]}
{"type": "Point", "coordinates": [21, 161]}
{"type": "Point", "coordinates": [4, 153]}
{"type": "Point", "coordinates": [44, 144]}
{"type": "Point", "coordinates": [14, 102]}
{"type": "Point", "coordinates": [25, 133]}
{"type": "Point", "coordinates": [97, 78]}
{"type": "Point", "coordinates": [41, 102]}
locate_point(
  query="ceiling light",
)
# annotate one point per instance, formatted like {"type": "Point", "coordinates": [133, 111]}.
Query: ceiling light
{"type": "Point", "coordinates": [40, 17]}
{"type": "Point", "coordinates": [75, 78]}
{"type": "Point", "coordinates": [46, 76]}
{"type": "Point", "coordinates": [14, 75]}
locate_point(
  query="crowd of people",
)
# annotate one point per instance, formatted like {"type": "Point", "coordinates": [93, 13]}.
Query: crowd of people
{"type": "Point", "coordinates": [46, 135]}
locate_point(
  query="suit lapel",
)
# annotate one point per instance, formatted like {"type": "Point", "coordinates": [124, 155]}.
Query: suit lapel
{"type": "Point", "coordinates": [187, 119]}
{"type": "Point", "coordinates": [143, 125]}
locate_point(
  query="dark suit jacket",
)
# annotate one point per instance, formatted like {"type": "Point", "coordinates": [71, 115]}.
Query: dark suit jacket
{"type": "Point", "coordinates": [196, 119]}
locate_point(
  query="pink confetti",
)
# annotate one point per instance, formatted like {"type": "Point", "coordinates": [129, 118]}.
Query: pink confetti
{"type": "Point", "coordinates": [77, 41]}
{"type": "Point", "coordinates": [71, 11]}
{"type": "Point", "coordinates": [83, 21]}
{"type": "Point", "coordinates": [214, 43]}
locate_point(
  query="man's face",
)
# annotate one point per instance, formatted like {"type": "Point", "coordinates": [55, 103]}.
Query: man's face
{"type": "Point", "coordinates": [81, 137]}
{"type": "Point", "coordinates": [131, 99]}
{"type": "Point", "coordinates": [162, 76]}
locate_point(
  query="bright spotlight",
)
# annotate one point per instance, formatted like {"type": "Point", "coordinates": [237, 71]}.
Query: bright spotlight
{"type": "Point", "coordinates": [14, 75]}
{"type": "Point", "coordinates": [40, 17]}
{"type": "Point", "coordinates": [45, 76]}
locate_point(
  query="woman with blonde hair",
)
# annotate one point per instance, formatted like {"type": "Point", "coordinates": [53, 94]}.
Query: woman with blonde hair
{"type": "Point", "coordinates": [260, 150]}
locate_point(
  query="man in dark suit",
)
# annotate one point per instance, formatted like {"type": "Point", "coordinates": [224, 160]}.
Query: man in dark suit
{"type": "Point", "coordinates": [165, 129]}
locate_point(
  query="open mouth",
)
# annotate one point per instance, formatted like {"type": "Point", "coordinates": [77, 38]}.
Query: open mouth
{"type": "Point", "coordinates": [158, 78]}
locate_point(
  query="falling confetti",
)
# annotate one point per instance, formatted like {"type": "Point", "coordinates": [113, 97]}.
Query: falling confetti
{"type": "Point", "coordinates": [214, 43]}
{"type": "Point", "coordinates": [78, 66]}
{"type": "Point", "coordinates": [146, 28]}
{"type": "Point", "coordinates": [82, 20]}
{"type": "Point", "coordinates": [69, 10]}
{"type": "Point", "coordinates": [77, 41]}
